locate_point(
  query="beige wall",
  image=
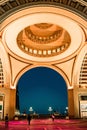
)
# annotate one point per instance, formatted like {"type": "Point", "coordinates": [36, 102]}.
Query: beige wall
{"type": "Point", "coordinates": [9, 101]}
{"type": "Point", "coordinates": [70, 103]}
{"type": "Point", "coordinates": [12, 103]}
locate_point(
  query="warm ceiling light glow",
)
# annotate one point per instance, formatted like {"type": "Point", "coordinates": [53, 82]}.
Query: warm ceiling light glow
{"type": "Point", "coordinates": [13, 87]}
{"type": "Point", "coordinates": [70, 87]}
{"type": "Point", "coordinates": [10, 34]}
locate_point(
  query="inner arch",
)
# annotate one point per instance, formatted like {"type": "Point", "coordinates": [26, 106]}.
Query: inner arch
{"type": "Point", "coordinates": [41, 88]}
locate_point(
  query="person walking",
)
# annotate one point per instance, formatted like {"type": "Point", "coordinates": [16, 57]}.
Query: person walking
{"type": "Point", "coordinates": [6, 121]}
{"type": "Point", "coordinates": [53, 117]}
{"type": "Point", "coordinates": [29, 119]}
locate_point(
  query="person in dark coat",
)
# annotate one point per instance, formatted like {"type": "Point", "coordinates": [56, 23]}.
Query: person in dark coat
{"type": "Point", "coordinates": [6, 120]}
{"type": "Point", "coordinates": [29, 119]}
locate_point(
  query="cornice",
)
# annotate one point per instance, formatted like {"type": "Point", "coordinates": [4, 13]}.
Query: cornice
{"type": "Point", "coordinates": [84, 2]}
{"type": "Point", "coordinates": [8, 7]}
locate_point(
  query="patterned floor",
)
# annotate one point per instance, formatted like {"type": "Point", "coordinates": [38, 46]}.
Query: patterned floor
{"type": "Point", "coordinates": [46, 124]}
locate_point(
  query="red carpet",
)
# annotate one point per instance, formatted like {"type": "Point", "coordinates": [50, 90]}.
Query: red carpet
{"type": "Point", "coordinates": [46, 124]}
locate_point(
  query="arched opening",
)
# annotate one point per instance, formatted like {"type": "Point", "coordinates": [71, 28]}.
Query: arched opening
{"type": "Point", "coordinates": [41, 90]}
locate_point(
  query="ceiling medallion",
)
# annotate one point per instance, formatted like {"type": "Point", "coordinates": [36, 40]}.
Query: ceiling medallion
{"type": "Point", "coordinates": [43, 40]}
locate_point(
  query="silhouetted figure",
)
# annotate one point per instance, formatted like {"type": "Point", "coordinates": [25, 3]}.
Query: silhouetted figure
{"type": "Point", "coordinates": [53, 117]}
{"type": "Point", "coordinates": [29, 119]}
{"type": "Point", "coordinates": [6, 120]}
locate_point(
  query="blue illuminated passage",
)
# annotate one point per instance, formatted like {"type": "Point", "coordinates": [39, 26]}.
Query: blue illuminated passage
{"type": "Point", "coordinates": [41, 88]}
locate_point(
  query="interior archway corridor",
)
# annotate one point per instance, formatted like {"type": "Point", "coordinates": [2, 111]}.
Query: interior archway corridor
{"type": "Point", "coordinates": [44, 33]}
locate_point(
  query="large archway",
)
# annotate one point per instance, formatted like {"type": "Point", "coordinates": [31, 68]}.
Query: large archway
{"type": "Point", "coordinates": [41, 88]}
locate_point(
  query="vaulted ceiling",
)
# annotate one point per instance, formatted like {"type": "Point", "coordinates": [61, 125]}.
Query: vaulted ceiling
{"type": "Point", "coordinates": [43, 30]}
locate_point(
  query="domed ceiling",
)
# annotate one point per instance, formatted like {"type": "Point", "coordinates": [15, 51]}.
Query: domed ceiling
{"type": "Point", "coordinates": [43, 39]}
{"type": "Point", "coordinates": [42, 36]}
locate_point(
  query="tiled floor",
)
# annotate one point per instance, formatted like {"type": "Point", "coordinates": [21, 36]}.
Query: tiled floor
{"type": "Point", "coordinates": [46, 124]}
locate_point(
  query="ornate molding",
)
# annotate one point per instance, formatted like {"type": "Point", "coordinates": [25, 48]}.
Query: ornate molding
{"type": "Point", "coordinates": [84, 2]}
{"type": "Point", "coordinates": [8, 6]}
{"type": "Point", "coordinates": [43, 40]}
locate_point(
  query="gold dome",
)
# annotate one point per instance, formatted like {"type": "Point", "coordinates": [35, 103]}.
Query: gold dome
{"type": "Point", "coordinates": [43, 39]}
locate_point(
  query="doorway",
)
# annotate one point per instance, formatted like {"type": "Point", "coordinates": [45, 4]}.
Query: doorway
{"type": "Point", "coordinates": [83, 106]}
